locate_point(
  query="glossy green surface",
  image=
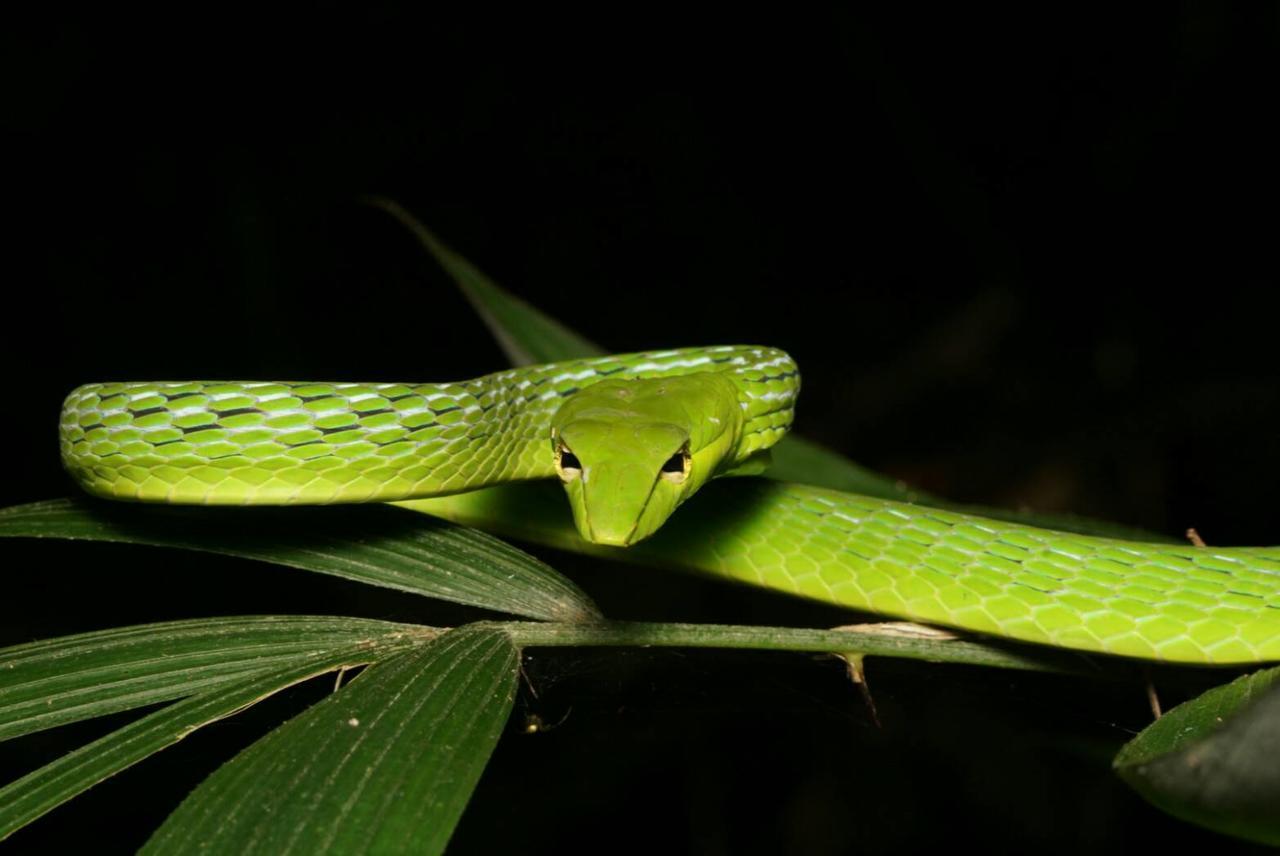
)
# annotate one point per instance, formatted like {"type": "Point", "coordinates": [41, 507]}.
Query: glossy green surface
{"type": "Point", "coordinates": [1169, 602]}
{"type": "Point", "coordinates": [246, 443]}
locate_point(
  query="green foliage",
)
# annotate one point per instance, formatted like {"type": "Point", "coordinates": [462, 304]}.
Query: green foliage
{"type": "Point", "coordinates": [54, 682]}
{"type": "Point", "coordinates": [32, 795]}
{"type": "Point", "coordinates": [444, 699]}
{"type": "Point", "coordinates": [392, 759]}
{"type": "Point", "coordinates": [369, 544]}
{"type": "Point", "coordinates": [528, 337]}
{"type": "Point", "coordinates": [218, 667]}
{"type": "Point", "coordinates": [1212, 760]}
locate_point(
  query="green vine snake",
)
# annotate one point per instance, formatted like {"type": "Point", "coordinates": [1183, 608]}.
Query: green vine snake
{"type": "Point", "coordinates": [632, 437]}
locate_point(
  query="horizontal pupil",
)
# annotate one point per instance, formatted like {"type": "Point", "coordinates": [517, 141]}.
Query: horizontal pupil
{"type": "Point", "coordinates": [674, 464]}
{"type": "Point", "coordinates": [569, 461]}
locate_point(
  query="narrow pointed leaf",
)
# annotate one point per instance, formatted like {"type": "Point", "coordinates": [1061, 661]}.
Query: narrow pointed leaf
{"type": "Point", "coordinates": [799, 460]}
{"type": "Point", "coordinates": [1215, 760]}
{"type": "Point", "coordinates": [526, 336]}
{"type": "Point", "coordinates": [38, 792]}
{"type": "Point", "coordinates": [56, 681]}
{"type": "Point", "coordinates": [374, 544]}
{"type": "Point", "coordinates": [384, 766]}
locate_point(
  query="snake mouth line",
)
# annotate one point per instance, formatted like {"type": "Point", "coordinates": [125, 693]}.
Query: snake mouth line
{"type": "Point", "coordinates": [609, 540]}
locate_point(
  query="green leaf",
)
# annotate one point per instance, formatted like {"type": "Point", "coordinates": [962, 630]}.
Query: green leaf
{"type": "Point", "coordinates": [373, 544]}
{"type": "Point", "coordinates": [38, 792]}
{"type": "Point", "coordinates": [526, 336]}
{"type": "Point", "coordinates": [384, 766]}
{"type": "Point", "coordinates": [1215, 760]}
{"type": "Point", "coordinates": [53, 682]}
{"type": "Point", "coordinates": [799, 460]}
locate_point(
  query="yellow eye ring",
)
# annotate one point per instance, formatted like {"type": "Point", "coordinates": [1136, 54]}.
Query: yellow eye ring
{"type": "Point", "coordinates": [568, 467]}
{"type": "Point", "coordinates": [676, 469]}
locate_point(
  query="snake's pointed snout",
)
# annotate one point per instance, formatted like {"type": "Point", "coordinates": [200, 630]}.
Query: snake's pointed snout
{"type": "Point", "coordinates": [613, 537]}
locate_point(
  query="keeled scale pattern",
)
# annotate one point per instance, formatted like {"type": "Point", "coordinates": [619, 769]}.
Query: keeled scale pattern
{"type": "Point", "coordinates": [1166, 602]}
{"type": "Point", "coordinates": [279, 443]}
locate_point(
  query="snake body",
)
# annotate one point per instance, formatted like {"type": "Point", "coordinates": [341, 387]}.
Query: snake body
{"type": "Point", "coordinates": [1167, 602]}
{"type": "Point", "coordinates": [256, 443]}
{"type": "Point", "coordinates": [281, 443]}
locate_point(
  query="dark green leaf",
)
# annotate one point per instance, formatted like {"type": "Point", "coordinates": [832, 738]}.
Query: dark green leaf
{"type": "Point", "coordinates": [374, 544]}
{"type": "Point", "coordinates": [49, 683]}
{"type": "Point", "coordinates": [799, 460]}
{"type": "Point", "coordinates": [1215, 760]}
{"type": "Point", "coordinates": [384, 766]}
{"type": "Point", "coordinates": [35, 794]}
{"type": "Point", "coordinates": [527, 336]}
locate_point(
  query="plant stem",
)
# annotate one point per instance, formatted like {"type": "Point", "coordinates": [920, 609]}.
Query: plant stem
{"type": "Point", "coordinates": [837, 641]}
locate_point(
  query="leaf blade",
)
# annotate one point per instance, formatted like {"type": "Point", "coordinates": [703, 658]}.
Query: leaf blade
{"type": "Point", "coordinates": [386, 765]}
{"type": "Point", "coordinates": [799, 460]}
{"type": "Point", "coordinates": [54, 682]}
{"type": "Point", "coordinates": [373, 544]}
{"type": "Point", "coordinates": [42, 790]}
{"type": "Point", "coordinates": [1215, 760]}
{"type": "Point", "coordinates": [526, 336]}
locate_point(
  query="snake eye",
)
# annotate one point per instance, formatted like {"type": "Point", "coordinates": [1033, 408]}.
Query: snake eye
{"type": "Point", "coordinates": [676, 468]}
{"type": "Point", "coordinates": [567, 463]}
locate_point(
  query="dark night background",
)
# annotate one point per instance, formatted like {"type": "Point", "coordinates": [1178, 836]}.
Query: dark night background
{"type": "Point", "coordinates": [1022, 258]}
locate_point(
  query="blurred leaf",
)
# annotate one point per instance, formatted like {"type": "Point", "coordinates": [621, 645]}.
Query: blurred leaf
{"type": "Point", "coordinates": [372, 544]}
{"type": "Point", "coordinates": [36, 793]}
{"type": "Point", "coordinates": [53, 682]}
{"type": "Point", "coordinates": [799, 460]}
{"type": "Point", "coordinates": [1215, 760]}
{"type": "Point", "coordinates": [527, 336]}
{"type": "Point", "coordinates": [796, 459]}
{"type": "Point", "coordinates": [384, 766]}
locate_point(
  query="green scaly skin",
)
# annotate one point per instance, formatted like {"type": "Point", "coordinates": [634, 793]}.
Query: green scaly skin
{"type": "Point", "coordinates": [269, 443]}
{"type": "Point", "coordinates": [622, 418]}
{"type": "Point", "coordinates": [1165, 602]}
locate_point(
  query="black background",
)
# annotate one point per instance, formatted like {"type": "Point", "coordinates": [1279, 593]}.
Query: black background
{"type": "Point", "coordinates": [1022, 258]}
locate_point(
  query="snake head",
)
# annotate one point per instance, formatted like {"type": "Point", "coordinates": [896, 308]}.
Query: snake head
{"type": "Point", "coordinates": [629, 452]}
